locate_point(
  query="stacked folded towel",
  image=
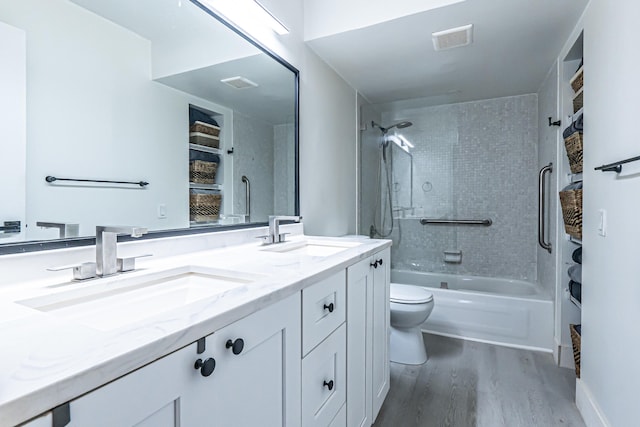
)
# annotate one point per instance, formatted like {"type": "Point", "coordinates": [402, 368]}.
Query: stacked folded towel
{"type": "Point", "coordinates": [576, 126]}
{"type": "Point", "coordinates": [573, 186]}
{"type": "Point", "coordinates": [575, 289]}
{"type": "Point", "coordinates": [196, 115]}
{"type": "Point", "coordinates": [575, 273]}
{"type": "Point", "coordinates": [577, 255]}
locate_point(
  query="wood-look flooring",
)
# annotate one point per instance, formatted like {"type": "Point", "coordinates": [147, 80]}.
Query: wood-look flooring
{"type": "Point", "coordinates": [468, 384]}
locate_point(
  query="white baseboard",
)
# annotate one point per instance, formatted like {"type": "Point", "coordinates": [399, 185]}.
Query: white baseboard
{"type": "Point", "coordinates": [591, 413]}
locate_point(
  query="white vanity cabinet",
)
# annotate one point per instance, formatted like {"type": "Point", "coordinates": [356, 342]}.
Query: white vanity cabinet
{"type": "Point", "coordinates": [258, 386]}
{"type": "Point", "coordinates": [368, 287]}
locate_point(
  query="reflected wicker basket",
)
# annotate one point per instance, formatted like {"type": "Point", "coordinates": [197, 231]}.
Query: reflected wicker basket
{"type": "Point", "coordinates": [577, 80]}
{"type": "Point", "coordinates": [207, 128]}
{"type": "Point", "coordinates": [571, 201]}
{"type": "Point", "coordinates": [573, 144]}
{"type": "Point", "coordinates": [575, 342]}
{"type": "Point", "coordinates": [202, 172]}
{"type": "Point", "coordinates": [204, 207]}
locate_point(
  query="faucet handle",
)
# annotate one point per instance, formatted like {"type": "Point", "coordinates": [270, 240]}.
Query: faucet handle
{"type": "Point", "coordinates": [129, 263]}
{"type": "Point", "coordinates": [86, 270]}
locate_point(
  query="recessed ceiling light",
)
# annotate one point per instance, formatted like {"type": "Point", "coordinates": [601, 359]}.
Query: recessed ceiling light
{"type": "Point", "coordinates": [239, 82]}
{"type": "Point", "coordinates": [454, 37]}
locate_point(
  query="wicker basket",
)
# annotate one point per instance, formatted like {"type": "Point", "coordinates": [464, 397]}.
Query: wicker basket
{"type": "Point", "coordinates": [571, 201]}
{"type": "Point", "coordinates": [577, 80]}
{"type": "Point", "coordinates": [204, 139]}
{"type": "Point", "coordinates": [204, 207]}
{"type": "Point", "coordinates": [573, 144]}
{"type": "Point", "coordinates": [577, 101]}
{"type": "Point", "coordinates": [202, 127]}
{"type": "Point", "coordinates": [575, 342]}
{"type": "Point", "coordinates": [201, 172]}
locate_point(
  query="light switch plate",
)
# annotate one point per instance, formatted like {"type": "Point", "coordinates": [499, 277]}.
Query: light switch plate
{"type": "Point", "coordinates": [162, 211]}
{"type": "Point", "coordinates": [602, 222]}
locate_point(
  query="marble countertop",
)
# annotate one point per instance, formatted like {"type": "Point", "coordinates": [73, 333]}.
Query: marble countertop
{"type": "Point", "coordinates": [47, 360]}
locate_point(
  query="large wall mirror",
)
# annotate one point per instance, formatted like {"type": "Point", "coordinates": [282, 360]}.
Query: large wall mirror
{"type": "Point", "coordinates": [191, 125]}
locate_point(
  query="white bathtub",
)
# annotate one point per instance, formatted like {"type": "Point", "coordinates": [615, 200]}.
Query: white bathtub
{"type": "Point", "coordinates": [498, 311]}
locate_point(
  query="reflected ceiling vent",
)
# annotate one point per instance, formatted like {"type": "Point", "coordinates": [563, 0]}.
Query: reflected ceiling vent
{"type": "Point", "coordinates": [454, 37]}
{"type": "Point", "coordinates": [238, 82]}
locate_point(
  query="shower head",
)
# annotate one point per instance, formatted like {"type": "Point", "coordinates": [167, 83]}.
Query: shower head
{"type": "Point", "coordinates": [400, 125]}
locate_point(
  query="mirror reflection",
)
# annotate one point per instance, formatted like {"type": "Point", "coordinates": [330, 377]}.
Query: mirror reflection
{"type": "Point", "coordinates": [147, 113]}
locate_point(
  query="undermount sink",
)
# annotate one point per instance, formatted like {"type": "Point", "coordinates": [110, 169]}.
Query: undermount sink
{"type": "Point", "coordinates": [314, 248]}
{"type": "Point", "coordinates": [110, 303]}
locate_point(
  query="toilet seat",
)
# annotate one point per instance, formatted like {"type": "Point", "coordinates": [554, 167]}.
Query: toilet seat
{"type": "Point", "coordinates": [408, 294]}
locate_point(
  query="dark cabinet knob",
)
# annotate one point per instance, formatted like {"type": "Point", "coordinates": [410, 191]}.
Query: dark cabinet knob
{"type": "Point", "coordinates": [329, 307]}
{"type": "Point", "coordinates": [379, 261]}
{"type": "Point", "coordinates": [374, 264]}
{"type": "Point", "coordinates": [236, 346]}
{"type": "Point", "coordinates": [328, 385]}
{"type": "Point", "coordinates": [207, 367]}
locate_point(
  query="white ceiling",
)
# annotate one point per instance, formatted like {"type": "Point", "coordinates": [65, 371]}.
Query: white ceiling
{"type": "Point", "coordinates": [515, 45]}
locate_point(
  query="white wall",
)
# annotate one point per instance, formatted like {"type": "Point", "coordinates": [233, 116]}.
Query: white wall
{"type": "Point", "coordinates": [81, 96]}
{"type": "Point", "coordinates": [13, 126]}
{"type": "Point", "coordinates": [611, 271]}
{"type": "Point", "coordinates": [328, 129]}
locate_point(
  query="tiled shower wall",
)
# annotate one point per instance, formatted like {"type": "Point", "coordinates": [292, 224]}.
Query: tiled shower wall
{"type": "Point", "coordinates": [473, 160]}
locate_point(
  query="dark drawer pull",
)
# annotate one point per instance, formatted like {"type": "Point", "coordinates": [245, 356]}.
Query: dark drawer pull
{"type": "Point", "coordinates": [329, 307]}
{"type": "Point", "coordinates": [207, 367]}
{"type": "Point", "coordinates": [236, 346]}
{"type": "Point", "coordinates": [328, 385]}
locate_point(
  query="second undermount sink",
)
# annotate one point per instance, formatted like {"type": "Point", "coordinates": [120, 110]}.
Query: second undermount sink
{"type": "Point", "coordinates": [313, 247]}
{"type": "Point", "coordinates": [107, 304]}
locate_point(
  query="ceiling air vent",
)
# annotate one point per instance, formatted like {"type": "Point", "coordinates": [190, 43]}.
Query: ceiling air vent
{"type": "Point", "coordinates": [454, 37]}
{"type": "Point", "coordinates": [239, 82]}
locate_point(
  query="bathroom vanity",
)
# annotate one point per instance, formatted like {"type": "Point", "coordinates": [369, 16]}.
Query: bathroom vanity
{"type": "Point", "coordinates": [294, 333]}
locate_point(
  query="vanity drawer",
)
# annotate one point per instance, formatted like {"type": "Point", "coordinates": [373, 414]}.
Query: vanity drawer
{"type": "Point", "coordinates": [323, 310]}
{"type": "Point", "coordinates": [324, 381]}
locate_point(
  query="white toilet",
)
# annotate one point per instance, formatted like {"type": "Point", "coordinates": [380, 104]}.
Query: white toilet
{"type": "Point", "coordinates": [410, 307]}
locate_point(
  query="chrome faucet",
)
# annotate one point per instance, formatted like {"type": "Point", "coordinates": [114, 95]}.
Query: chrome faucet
{"type": "Point", "coordinates": [106, 249]}
{"type": "Point", "coordinates": [274, 228]}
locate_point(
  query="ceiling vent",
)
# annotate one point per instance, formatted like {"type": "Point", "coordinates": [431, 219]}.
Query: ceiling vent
{"type": "Point", "coordinates": [454, 37]}
{"type": "Point", "coordinates": [238, 82]}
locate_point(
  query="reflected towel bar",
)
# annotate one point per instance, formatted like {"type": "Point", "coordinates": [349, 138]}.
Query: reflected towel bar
{"type": "Point", "coordinates": [483, 222]}
{"type": "Point", "coordinates": [51, 179]}
{"type": "Point", "coordinates": [617, 166]}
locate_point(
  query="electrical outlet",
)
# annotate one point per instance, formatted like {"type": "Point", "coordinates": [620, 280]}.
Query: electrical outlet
{"type": "Point", "coordinates": [162, 211]}
{"type": "Point", "coordinates": [602, 222]}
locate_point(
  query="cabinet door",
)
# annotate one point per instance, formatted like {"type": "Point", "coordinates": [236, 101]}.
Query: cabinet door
{"type": "Point", "coordinates": [259, 386]}
{"type": "Point", "coordinates": [381, 330]}
{"type": "Point", "coordinates": [359, 343]}
{"type": "Point", "coordinates": [151, 396]}
{"type": "Point", "coordinates": [324, 381]}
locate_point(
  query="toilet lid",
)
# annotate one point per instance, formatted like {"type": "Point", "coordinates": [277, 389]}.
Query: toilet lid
{"type": "Point", "coordinates": [407, 294]}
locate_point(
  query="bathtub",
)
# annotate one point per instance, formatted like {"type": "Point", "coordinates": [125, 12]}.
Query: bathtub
{"type": "Point", "coordinates": [498, 311]}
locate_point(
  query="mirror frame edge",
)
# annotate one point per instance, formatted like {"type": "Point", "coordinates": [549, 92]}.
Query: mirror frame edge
{"type": "Point", "coordinates": [44, 245]}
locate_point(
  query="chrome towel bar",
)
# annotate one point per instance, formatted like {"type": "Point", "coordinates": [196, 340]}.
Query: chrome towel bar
{"type": "Point", "coordinates": [542, 207]}
{"type": "Point", "coordinates": [484, 222]}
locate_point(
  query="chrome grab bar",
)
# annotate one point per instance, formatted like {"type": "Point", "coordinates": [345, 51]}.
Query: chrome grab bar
{"type": "Point", "coordinates": [484, 222]}
{"type": "Point", "coordinates": [542, 208]}
{"type": "Point", "coordinates": [247, 203]}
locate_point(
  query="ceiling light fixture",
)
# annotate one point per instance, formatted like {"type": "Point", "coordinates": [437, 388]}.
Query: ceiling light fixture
{"type": "Point", "coordinates": [249, 15]}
